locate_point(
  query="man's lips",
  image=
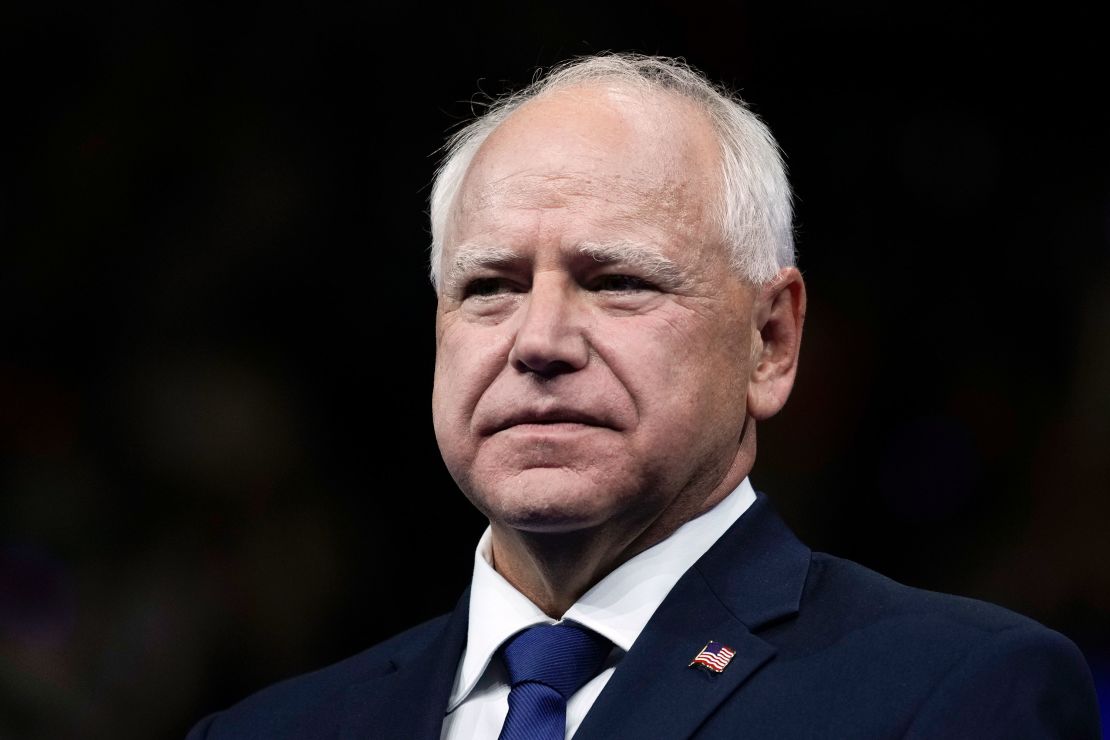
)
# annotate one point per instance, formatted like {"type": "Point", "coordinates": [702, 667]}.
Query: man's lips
{"type": "Point", "coordinates": [547, 417]}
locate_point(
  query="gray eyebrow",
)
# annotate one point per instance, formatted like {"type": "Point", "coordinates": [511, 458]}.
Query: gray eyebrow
{"type": "Point", "coordinates": [470, 258]}
{"type": "Point", "coordinates": [647, 260]}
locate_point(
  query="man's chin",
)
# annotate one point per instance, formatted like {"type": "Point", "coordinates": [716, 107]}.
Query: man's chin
{"type": "Point", "coordinates": [550, 500]}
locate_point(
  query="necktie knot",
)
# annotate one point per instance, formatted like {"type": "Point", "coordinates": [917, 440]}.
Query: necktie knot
{"type": "Point", "coordinates": [561, 656]}
{"type": "Point", "coordinates": [546, 665]}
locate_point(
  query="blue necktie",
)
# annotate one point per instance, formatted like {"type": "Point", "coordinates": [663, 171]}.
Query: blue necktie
{"type": "Point", "coordinates": [547, 664]}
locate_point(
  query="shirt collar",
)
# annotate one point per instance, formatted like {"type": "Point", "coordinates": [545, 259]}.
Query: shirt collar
{"type": "Point", "coordinates": [618, 606]}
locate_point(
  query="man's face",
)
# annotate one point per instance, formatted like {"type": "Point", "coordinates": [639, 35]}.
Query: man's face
{"type": "Point", "coordinates": [593, 345]}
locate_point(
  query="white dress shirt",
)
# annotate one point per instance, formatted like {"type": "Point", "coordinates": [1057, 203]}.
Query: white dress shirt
{"type": "Point", "coordinates": [618, 607]}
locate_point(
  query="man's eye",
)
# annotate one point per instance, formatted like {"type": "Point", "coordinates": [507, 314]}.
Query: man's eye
{"type": "Point", "coordinates": [621, 283]}
{"type": "Point", "coordinates": [483, 287]}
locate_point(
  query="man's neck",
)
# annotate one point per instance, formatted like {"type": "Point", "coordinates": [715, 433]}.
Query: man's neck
{"type": "Point", "coordinates": [554, 569]}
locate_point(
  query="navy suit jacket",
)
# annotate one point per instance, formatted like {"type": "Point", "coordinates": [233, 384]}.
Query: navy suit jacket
{"type": "Point", "coordinates": [824, 649]}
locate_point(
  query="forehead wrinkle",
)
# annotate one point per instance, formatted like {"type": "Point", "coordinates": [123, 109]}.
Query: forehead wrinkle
{"type": "Point", "coordinates": [536, 192]}
{"type": "Point", "coordinates": [641, 193]}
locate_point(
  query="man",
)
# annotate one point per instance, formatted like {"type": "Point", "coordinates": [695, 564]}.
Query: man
{"type": "Point", "coordinates": [618, 309]}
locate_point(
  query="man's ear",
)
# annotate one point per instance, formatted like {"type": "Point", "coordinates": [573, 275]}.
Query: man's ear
{"type": "Point", "coordinates": [778, 313]}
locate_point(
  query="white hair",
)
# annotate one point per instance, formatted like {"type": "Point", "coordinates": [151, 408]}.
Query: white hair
{"type": "Point", "coordinates": [755, 210]}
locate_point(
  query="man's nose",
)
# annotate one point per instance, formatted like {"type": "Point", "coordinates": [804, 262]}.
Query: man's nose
{"type": "Point", "coordinates": [549, 339]}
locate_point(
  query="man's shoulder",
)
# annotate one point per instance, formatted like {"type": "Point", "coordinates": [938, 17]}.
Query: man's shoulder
{"type": "Point", "coordinates": [845, 592]}
{"type": "Point", "coordinates": [314, 699]}
{"type": "Point", "coordinates": [941, 663]}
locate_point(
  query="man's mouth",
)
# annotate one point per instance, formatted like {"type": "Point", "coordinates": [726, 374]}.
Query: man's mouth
{"type": "Point", "coordinates": [553, 418]}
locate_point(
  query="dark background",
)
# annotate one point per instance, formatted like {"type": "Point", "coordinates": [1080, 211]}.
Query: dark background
{"type": "Point", "coordinates": [218, 466]}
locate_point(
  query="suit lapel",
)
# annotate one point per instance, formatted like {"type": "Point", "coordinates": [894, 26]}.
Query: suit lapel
{"type": "Point", "coordinates": [410, 702]}
{"type": "Point", "coordinates": [751, 577]}
{"type": "Point", "coordinates": [653, 692]}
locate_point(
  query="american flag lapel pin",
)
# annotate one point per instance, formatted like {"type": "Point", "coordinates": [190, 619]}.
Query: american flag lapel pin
{"type": "Point", "coordinates": [714, 657]}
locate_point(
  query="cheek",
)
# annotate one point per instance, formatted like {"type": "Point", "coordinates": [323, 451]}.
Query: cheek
{"type": "Point", "coordinates": [683, 369]}
{"type": "Point", "coordinates": [449, 418]}
{"type": "Point", "coordinates": [467, 361]}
